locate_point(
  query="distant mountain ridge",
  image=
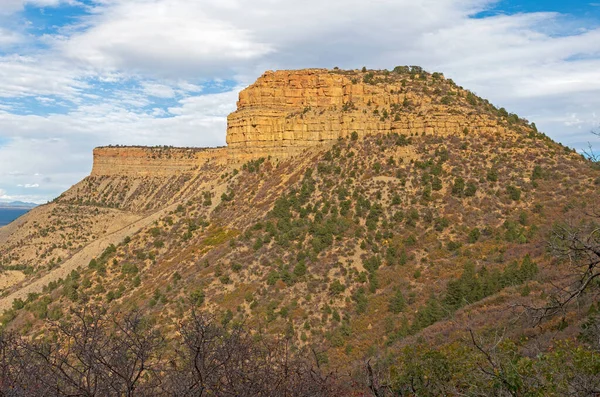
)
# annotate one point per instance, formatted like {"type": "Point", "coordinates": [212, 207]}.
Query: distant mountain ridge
{"type": "Point", "coordinates": [18, 204]}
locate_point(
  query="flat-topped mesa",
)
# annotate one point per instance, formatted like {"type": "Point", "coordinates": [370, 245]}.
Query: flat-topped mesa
{"type": "Point", "coordinates": [286, 111]}
{"type": "Point", "coordinates": [155, 161]}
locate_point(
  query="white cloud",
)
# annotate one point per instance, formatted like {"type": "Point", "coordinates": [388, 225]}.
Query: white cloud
{"type": "Point", "coordinates": [169, 37]}
{"type": "Point", "coordinates": [55, 150]}
{"type": "Point", "coordinates": [188, 87]}
{"type": "Point", "coordinates": [158, 90]}
{"type": "Point", "coordinates": [39, 75]}
{"type": "Point", "coordinates": [11, 6]}
{"type": "Point", "coordinates": [9, 38]}
{"type": "Point", "coordinates": [122, 62]}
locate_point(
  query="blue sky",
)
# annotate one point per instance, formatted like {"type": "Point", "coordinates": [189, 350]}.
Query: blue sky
{"type": "Point", "coordinates": [575, 8]}
{"type": "Point", "coordinates": [75, 74]}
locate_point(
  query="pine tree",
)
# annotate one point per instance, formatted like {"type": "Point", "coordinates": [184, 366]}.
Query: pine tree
{"type": "Point", "coordinates": [454, 295]}
{"type": "Point", "coordinates": [511, 275]}
{"type": "Point", "coordinates": [528, 268]}
{"type": "Point", "coordinates": [470, 284]}
{"type": "Point", "coordinates": [397, 303]}
{"type": "Point", "coordinates": [428, 314]}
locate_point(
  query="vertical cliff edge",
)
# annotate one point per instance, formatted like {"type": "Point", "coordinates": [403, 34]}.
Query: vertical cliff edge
{"type": "Point", "coordinates": [285, 112]}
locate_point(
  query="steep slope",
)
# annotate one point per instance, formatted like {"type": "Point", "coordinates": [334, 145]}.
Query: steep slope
{"type": "Point", "coordinates": [353, 211]}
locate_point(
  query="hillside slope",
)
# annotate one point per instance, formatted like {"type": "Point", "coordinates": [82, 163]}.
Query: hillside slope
{"type": "Point", "coordinates": [352, 211]}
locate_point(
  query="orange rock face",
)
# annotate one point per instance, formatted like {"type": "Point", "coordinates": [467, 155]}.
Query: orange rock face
{"type": "Point", "coordinates": [285, 112]}
{"type": "Point", "coordinates": [142, 161]}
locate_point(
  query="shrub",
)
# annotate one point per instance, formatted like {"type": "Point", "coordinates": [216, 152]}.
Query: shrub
{"type": "Point", "coordinates": [474, 235]}
{"type": "Point", "coordinates": [70, 290]}
{"type": "Point", "coordinates": [537, 173]}
{"type": "Point", "coordinates": [129, 268]}
{"type": "Point", "coordinates": [236, 267]}
{"type": "Point", "coordinates": [272, 278]}
{"type": "Point", "coordinates": [154, 232]}
{"type": "Point", "coordinates": [361, 300]}
{"type": "Point", "coordinates": [253, 166]}
{"type": "Point", "coordinates": [458, 187]}
{"type": "Point", "coordinates": [300, 269]}
{"type": "Point", "coordinates": [453, 245]}
{"type": "Point", "coordinates": [402, 140]}
{"type": "Point", "coordinates": [197, 297]}
{"type": "Point", "coordinates": [227, 197]}
{"type": "Point", "coordinates": [441, 224]}
{"type": "Point", "coordinates": [18, 304]}
{"type": "Point", "coordinates": [492, 175]}
{"type": "Point", "coordinates": [336, 288]}
{"type": "Point", "coordinates": [401, 69]}
{"type": "Point", "coordinates": [373, 282]}
{"type": "Point", "coordinates": [471, 189]}
{"type": "Point", "coordinates": [471, 98]}
{"type": "Point", "coordinates": [369, 78]}
{"type": "Point", "coordinates": [513, 192]}
{"type": "Point", "coordinates": [224, 279]}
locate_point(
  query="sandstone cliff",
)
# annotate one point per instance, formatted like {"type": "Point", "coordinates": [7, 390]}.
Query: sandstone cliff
{"type": "Point", "coordinates": [285, 112]}
{"type": "Point", "coordinates": [141, 161]}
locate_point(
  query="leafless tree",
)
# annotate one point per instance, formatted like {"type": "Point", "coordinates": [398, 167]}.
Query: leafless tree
{"type": "Point", "coordinates": [14, 369]}
{"type": "Point", "coordinates": [96, 354]}
{"type": "Point", "coordinates": [214, 360]}
{"type": "Point", "coordinates": [90, 355]}
{"type": "Point", "coordinates": [589, 153]}
{"type": "Point", "coordinates": [574, 243]}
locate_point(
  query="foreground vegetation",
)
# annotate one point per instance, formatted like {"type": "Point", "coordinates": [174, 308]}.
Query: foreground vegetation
{"type": "Point", "coordinates": [93, 354]}
{"type": "Point", "coordinates": [90, 352]}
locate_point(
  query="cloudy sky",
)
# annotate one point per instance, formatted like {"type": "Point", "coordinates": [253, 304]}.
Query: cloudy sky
{"type": "Point", "coordinates": [75, 74]}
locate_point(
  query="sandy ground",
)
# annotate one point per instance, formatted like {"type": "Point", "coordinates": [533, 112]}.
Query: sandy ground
{"type": "Point", "coordinates": [10, 278]}
{"type": "Point", "coordinates": [80, 258]}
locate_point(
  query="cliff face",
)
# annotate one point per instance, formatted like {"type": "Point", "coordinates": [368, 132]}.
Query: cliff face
{"type": "Point", "coordinates": [287, 111]}
{"type": "Point", "coordinates": [143, 161]}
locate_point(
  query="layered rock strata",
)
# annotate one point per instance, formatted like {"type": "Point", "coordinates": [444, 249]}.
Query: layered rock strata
{"type": "Point", "coordinates": [156, 161]}
{"type": "Point", "coordinates": [285, 112]}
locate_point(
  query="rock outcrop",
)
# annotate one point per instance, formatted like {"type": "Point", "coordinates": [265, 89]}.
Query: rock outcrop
{"type": "Point", "coordinates": [285, 112]}
{"type": "Point", "coordinates": [159, 161]}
